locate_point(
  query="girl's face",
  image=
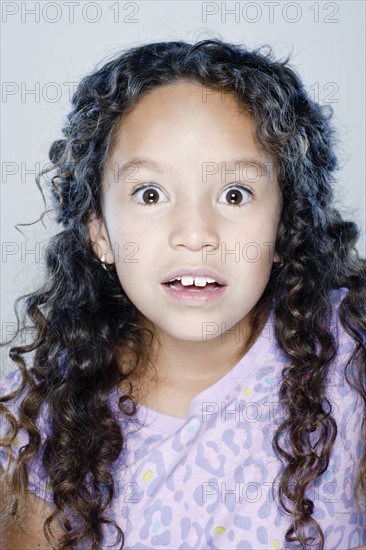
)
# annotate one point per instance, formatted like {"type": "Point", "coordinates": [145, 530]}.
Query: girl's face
{"type": "Point", "coordinates": [191, 140]}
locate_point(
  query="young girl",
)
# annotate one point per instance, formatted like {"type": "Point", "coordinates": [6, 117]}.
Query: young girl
{"type": "Point", "coordinates": [198, 376]}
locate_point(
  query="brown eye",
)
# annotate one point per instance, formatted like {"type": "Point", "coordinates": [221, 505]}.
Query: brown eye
{"type": "Point", "coordinates": [150, 196]}
{"type": "Point", "coordinates": [235, 195]}
{"type": "Point", "coordinates": [147, 194]}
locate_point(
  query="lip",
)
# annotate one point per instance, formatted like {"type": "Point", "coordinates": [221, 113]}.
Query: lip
{"type": "Point", "coordinates": [199, 298]}
{"type": "Point", "coordinates": [196, 272]}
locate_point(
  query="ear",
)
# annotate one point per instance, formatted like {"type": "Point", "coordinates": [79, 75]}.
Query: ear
{"type": "Point", "coordinates": [98, 235]}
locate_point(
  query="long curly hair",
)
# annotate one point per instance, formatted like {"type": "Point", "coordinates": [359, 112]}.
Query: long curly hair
{"type": "Point", "coordinates": [82, 311]}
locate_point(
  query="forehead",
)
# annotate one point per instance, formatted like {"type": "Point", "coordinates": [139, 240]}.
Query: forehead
{"type": "Point", "coordinates": [189, 113]}
{"type": "Point", "coordinates": [186, 94]}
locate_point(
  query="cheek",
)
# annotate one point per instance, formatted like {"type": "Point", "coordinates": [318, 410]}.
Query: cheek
{"type": "Point", "coordinates": [136, 264]}
{"type": "Point", "coordinates": [253, 243]}
{"type": "Point", "coordinates": [132, 284]}
{"type": "Point", "coordinates": [127, 240]}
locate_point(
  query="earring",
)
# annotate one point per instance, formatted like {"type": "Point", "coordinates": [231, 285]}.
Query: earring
{"type": "Point", "coordinates": [102, 259]}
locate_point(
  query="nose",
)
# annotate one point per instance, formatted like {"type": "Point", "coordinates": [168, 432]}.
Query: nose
{"type": "Point", "coordinates": [194, 226]}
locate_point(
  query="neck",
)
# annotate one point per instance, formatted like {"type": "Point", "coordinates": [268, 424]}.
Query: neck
{"type": "Point", "coordinates": [195, 365]}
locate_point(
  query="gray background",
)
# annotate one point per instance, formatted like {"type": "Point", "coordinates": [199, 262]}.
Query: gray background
{"type": "Point", "coordinates": [48, 46]}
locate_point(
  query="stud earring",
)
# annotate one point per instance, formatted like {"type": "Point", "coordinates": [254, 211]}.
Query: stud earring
{"type": "Point", "coordinates": [102, 260]}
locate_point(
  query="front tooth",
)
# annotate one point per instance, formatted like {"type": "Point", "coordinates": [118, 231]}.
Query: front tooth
{"type": "Point", "coordinates": [187, 280]}
{"type": "Point", "coordinates": [200, 281]}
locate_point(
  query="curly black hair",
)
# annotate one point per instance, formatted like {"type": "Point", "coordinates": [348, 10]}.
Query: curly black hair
{"type": "Point", "coordinates": [83, 311]}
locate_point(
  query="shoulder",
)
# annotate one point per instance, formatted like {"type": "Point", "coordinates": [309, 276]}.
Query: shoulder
{"type": "Point", "coordinates": [27, 533]}
{"type": "Point", "coordinates": [11, 444]}
{"type": "Point", "coordinates": [336, 297]}
{"type": "Point", "coordinates": [332, 492]}
{"type": "Point", "coordinates": [342, 379]}
{"type": "Point", "coordinates": [346, 346]}
{"type": "Point", "coordinates": [346, 343]}
{"type": "Point", "coordinates": [10, 383]}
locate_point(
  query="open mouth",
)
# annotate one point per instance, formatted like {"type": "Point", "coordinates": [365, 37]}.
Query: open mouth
{"type": "Point", "coordinates": [177, 285]}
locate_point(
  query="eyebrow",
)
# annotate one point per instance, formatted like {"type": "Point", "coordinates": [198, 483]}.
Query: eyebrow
{"type": "Point", "coordinates": [162, 168]}
{"type": "Point", "coordinates": [143, 163]}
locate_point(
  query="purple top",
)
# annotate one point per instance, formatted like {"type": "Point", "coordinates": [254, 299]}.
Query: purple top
{"type": "Point", "coordinates": [205, 481]}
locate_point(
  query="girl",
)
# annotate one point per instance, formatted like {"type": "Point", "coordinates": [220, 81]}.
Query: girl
{"type": "Point", "coordinates": [198, 378]}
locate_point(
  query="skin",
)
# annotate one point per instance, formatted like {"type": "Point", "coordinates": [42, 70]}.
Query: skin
{"type": "Point", "coordinates": [185, 128]}
{"type": "Point", "coordinates": [188, 131]}
{"type": "Point", "coordinates": [27, 534]}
